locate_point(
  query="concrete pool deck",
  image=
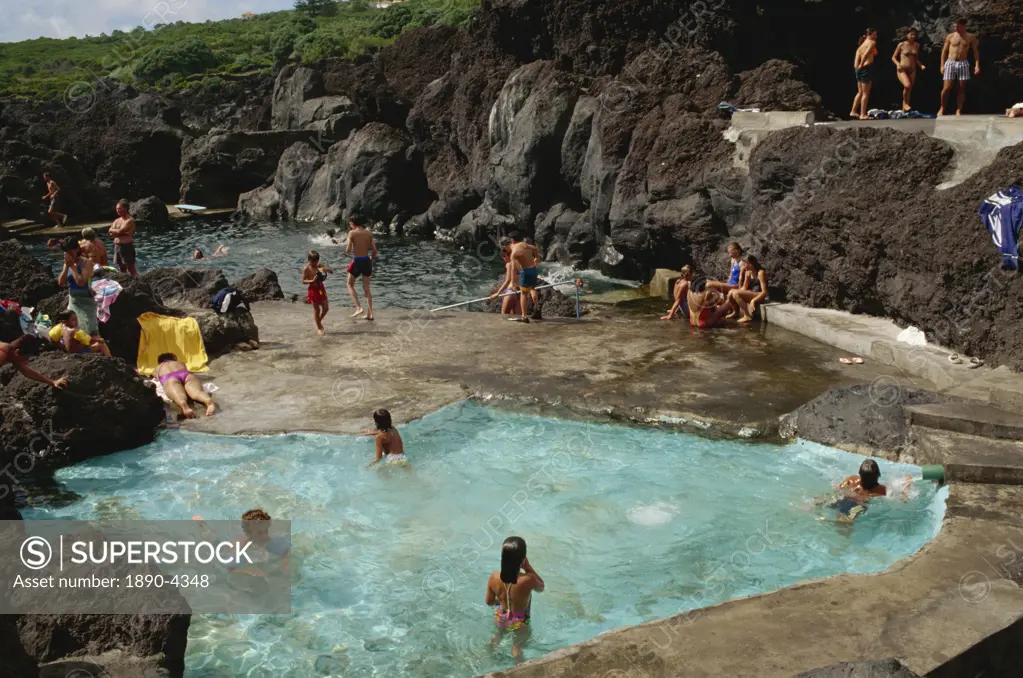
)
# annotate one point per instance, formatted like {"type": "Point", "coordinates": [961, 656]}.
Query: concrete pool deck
{"type": "Point", "coordinates": [414, 362]}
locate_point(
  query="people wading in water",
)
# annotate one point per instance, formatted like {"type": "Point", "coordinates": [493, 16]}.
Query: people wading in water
{"type": "Point", "coordinates": [511, 589]}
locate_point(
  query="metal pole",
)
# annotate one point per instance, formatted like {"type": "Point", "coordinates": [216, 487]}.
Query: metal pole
{"type": "Point", "coordinates": [471, 301]}
{"type": "Point", "coordinates": [578, 310]}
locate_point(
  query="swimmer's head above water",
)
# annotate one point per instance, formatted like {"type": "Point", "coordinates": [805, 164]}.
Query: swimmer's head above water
{"type": "Point", "coordinates": [256, 524]}
{"type": "Point", "coordinates": [513, 554]}
{"type": "Point", "coordinates": [869, 474]}
{"type": "Point", "coordinates": [382, 419]}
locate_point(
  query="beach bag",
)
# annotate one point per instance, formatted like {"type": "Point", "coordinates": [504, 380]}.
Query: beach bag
{"type": "Point", "coordinates": [227, 300]}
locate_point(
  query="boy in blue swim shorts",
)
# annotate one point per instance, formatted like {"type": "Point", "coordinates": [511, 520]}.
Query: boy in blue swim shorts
{"type": "Point", "coordinates": [525, 258]}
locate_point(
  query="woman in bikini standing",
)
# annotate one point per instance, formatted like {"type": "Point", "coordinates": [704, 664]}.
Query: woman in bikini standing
{"type": "Point", "coordinates": [863, 66]}
{"type": "Point", "coordinates": [179, 384]}
{"type": "Point", "coordinates": [511, 589]}
{"type": "Point", "coordinates": [907, 59]}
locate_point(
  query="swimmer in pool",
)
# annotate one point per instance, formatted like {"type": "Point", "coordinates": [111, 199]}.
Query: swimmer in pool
{"type": "Point", "coordinates": [256, 532]}
{"type": "Point", "coordinates": [857, 491]}
{"type": "Point", "coordinates": [511, 589]}
{"type": "Point", "coordinates": [390, 449]}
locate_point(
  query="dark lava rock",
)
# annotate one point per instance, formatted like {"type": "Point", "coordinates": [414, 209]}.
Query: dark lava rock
{"type": "Point", "coordinates": [553, 303]}
{"type": "Point", "coordinates": [105, 408]}
{"type": "Point", "coordinates": [227, 331]}
{"type": "Point", "coordinates": [862, 418]}
{"type": "Point", "coordinates": [193, 286]}
{"type": "Point", "coordinates": [216, 168]}
{"type": "Point", "coordinates": [884, 668]}
{"type": "Point", "coordinates": [10, 325]}
{"type": "Point", "coordinates": [22, 277]}
{"type": "Point", "coordinates": [149, 212]}
{"type": "Point", "coordinates": [14, 660]}
{"type": "Point", "coordinates": [260, 286]}
{"type": "Point", "coordinates": [157, 639]}
{"type": "Point", "coordinates": [776, 86]}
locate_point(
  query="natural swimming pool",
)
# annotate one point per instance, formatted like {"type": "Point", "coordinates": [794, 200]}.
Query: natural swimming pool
{"type": "Point", "coordinates": [625, 524]}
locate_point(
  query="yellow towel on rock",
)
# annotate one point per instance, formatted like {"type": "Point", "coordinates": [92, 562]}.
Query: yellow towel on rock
{"type": "Point", "coordinates": [163, 334]}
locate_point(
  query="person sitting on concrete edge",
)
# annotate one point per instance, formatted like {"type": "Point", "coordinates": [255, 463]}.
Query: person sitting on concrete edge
{"type": "Point", "coordinates": [736, 271]}
{"type": "Point", "coordinates": [753, 291]}
{"type": "Point", "coordinates": [681, 291]}
{"type": "Point", "coordinates": [17, 352]}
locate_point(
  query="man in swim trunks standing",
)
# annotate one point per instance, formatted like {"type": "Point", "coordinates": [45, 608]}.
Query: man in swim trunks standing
{"type": "Point", "coordinates": [863, 67]}
{"type": "Point", "coordinates": [955, 64]}
{"type": "Point", "coordinates": [525, 257]}
{"type": "Point", "coordinates": [364, 248]}
{"type": "Point", "coordinates": [123, 233]}
{"type": "Point", "coordinates": [52, 189]}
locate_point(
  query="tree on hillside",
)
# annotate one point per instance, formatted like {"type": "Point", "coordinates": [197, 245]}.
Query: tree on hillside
{"type": "Point", "coordinates": [186, 57]}
{"type": "Point", "coordinates": [315, 8]}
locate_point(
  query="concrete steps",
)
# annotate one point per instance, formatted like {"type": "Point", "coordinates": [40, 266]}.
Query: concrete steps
{"type": "Point", "coordinates": [977, 419]}
{"type": "Point", "coordinates": [967, 458]}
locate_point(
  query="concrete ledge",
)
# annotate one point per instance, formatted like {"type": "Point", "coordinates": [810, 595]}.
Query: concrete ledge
{"type": "Point", "coordinates": [967, 458]}
{"type": "Point", "coordinates": [875, 339]}
{"type": "Point", "coordinates": [771, 120]}
{"type": "Point", "coordinates": [977, 420]}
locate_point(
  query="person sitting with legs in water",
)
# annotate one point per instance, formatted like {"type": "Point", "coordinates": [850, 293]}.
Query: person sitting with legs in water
{"type": "Point", "coordinates": [68, 337]}
{"type": "Point", "coordinates": [681, 291]}
{"type": "Point", "coordinates": [511, 589]}
{"type": "Point", "coordinates": [863, 67]}
{"type": "Point", "coordinates": [364, 249]}
{"type": "Point", "coordinates": [907, 60]}
{"type": "Point", "coordinates": [753, 291]}
{"type": "Point", "coordinates": [389, 446]}
{"type": "Point", "coordinates": [707, 306]}
{"type": "Point", "coordinates": [16, 352]}
{"type": "Point", "coordinates": [313, 275]}
{"type": "Point", "coordinates": [179, 384]}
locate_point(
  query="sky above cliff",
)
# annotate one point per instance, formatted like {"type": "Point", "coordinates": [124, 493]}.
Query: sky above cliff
{"type": "Point", "coordinates": [66, 18]}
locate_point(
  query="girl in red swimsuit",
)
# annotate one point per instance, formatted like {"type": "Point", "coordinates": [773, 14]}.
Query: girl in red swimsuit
{"type": "Point", "coordinates": [313, 275]}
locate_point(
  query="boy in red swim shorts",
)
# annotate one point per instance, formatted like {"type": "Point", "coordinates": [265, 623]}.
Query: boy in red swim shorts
{"type": "Point", "coordinates": [313, 275]}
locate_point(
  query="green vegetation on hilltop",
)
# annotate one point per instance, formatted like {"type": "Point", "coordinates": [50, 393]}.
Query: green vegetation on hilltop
{"type": "Point", "coordinates": [173, 55]}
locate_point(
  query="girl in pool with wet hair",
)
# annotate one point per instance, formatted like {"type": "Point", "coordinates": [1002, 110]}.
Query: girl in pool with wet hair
{"type": "Point", "coordinates": [389, 446]}
{"type": "Point", "coordinates": [511, 589]}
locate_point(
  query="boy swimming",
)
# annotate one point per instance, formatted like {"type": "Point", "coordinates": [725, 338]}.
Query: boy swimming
{"type": "Point", "coordinates": [313, 275]}
{"type": "Point", "coordinates": [389, 446]}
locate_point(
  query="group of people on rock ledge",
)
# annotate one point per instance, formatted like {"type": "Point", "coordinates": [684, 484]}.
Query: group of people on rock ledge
{"type": "Point", "coordinates": [711, 303]}
{"type": "Point", "coordinates": [954, 66]}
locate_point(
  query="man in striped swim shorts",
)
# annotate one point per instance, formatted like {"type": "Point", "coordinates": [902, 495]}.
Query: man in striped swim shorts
{"type": "Point", "coordinates": [955, 64]}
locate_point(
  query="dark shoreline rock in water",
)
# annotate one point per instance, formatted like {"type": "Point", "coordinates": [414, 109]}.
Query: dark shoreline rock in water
{"type": "Point", "coordinates": [553, 303]}
{"type": "Point", "coordinates": [885, 668]}
{"type": "Point", "coordinates": [262, 285]}
{"type": "Point", "coordinates": [22, 277]}
{"type": "Point", "coordinates": [105, 408]}
{"type": "Point", "coordinates": [149, 212]}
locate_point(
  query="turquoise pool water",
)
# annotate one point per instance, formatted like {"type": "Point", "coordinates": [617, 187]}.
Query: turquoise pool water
{"type": "Point", "coordinates": [625, 524]}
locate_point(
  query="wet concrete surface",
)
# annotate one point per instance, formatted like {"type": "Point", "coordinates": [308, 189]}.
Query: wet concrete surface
{"type": "Point", "coordinates": [413, 362]}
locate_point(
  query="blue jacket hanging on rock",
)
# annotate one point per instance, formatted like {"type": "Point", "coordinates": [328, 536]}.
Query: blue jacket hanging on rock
{"type": "Point", "coordinates": [1002, 214]}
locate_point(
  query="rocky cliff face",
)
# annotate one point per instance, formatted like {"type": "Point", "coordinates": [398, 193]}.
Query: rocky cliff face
{"type": "Point", "coordinates": [592, 126]}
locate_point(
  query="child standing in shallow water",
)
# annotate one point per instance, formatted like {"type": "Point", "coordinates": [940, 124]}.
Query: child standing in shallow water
{"type": "Point", "coordinates": [388, 441]}
{"type": "Point", "coordinates": [313, 275]}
